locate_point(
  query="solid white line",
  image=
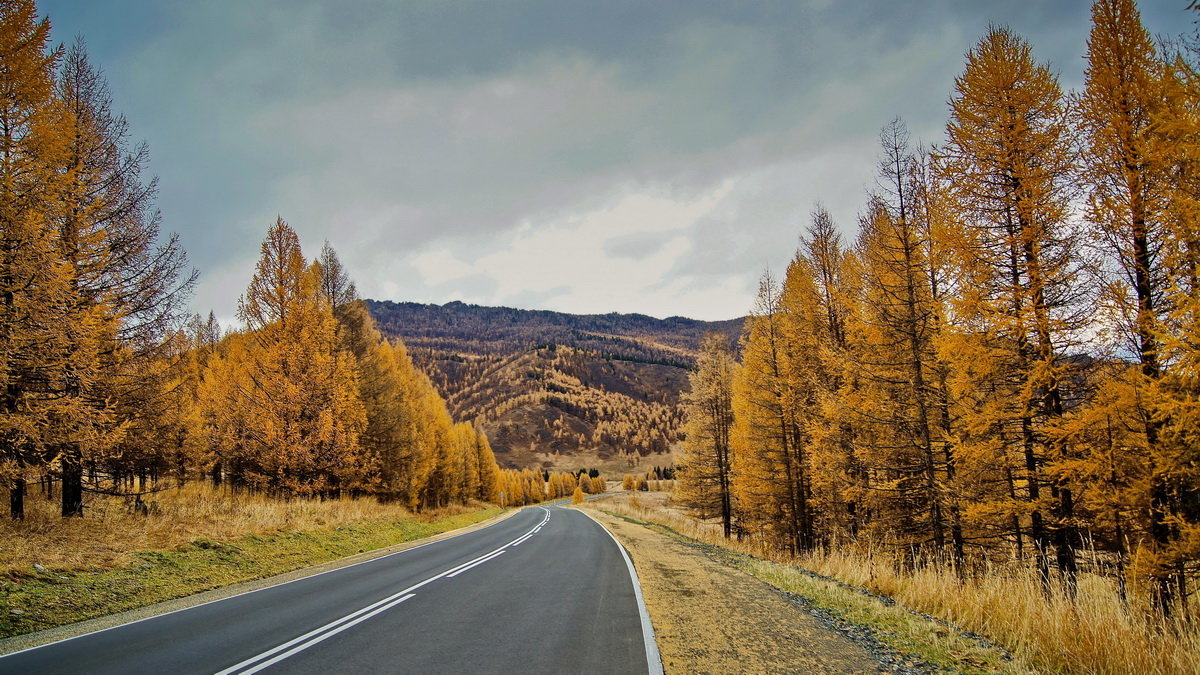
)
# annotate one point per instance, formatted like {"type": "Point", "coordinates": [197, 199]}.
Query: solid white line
{"type": "Point", "coordinates": [313, 632]}
{"type": "Point", "coordinates": [349, 620]}
{"type": "Point", "coordinates": [495, 555]}
{"type": "Point", "coordinates": [653, 660]}
{"type": "Point", "coordinates": [256, 590]}
{"type": "Point", "coordinates": [325, 636]}
{"type": "Point", "coordinates": [454, 570]}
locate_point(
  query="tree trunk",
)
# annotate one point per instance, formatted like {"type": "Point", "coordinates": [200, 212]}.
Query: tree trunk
{"type": "Point", "coordinates": [72, 488]}
{"type": "Point", "coordinates": [16, 499]}
{"type": "Point", "coordinates": [1162, 590]}
{"type": "Point", "coordinates": [1064, 540]}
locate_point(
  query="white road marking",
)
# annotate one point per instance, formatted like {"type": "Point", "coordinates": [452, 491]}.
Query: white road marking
{"type": "Point", "coordinates": [255, 590]}
{"type": "Point", "coordinates": [323, 636]}
{"type": "Point", "coordinates": [653, 660]}
{"type": "Point", "coordinates": [497, 554]}
{"type": "Point", "coordinates": [295, 645]}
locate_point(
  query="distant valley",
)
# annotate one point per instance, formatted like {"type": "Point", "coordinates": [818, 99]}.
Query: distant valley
{"type": "Point", "coordinates": [554, 389]}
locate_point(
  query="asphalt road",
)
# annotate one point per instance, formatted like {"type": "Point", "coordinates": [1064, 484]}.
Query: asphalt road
{"type": "Point", "coordinates": [544, 591]}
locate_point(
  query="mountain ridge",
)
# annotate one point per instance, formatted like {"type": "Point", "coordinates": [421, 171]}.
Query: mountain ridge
{"type": "Point", "coordinates": [554, 389]}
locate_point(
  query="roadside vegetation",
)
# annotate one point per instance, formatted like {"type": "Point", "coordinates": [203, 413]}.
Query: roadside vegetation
{"type": "Point", "coordinates": [55, 571]}
{"type": "Point", "coordinates": [115, 529]}
{"type": "Point", "coordinates": [996, 619]}
{"type": "Point", "coordinates": [521, 488]}
{"type": "Point", "coordinates": [985, 405]}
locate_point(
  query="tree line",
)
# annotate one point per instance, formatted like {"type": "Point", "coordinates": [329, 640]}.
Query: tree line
{"type": "Point", "coordinates": [517, 487]}
{"type": "Point", "coordinates": [1003, 363]}
{"type": "Point", "coordinates": [310, 398]}
{"type": "Point", "coordinates": [107, 386]}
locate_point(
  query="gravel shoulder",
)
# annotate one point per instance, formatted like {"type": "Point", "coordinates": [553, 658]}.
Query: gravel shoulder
{"type": "Point", "coordinates": [712, 618]}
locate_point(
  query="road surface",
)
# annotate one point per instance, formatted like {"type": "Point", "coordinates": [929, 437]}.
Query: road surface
{"type": "Point", "coordinates": [545, 591]}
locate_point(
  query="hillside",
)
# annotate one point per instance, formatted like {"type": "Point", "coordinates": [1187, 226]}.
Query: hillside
{"type": "Point", "coordinates": [556, 389]}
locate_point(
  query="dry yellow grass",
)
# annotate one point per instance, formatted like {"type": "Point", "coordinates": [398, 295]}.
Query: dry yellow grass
{"type": "Point", "coordinates": [1095, 633]}
{"type": "Point", "coordinates": [111, 531]}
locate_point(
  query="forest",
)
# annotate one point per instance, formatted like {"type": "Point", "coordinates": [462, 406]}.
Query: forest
{"type": "Point", "coordinates": [111, 388]}
{"type": "Point", "coordinates": [544, 383]}
{"type": "Point", "coordinates": [1004, 364]}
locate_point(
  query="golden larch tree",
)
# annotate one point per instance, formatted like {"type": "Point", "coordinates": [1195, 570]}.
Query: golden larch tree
{"type": "Point", "coordinates": [34, 283]}
{"type": "Point", "coordinates": [705, 470]}
{"type": "Point", "coordinates": [305, 413]}
{"type": "Point", "coordinates": [1021, 297]}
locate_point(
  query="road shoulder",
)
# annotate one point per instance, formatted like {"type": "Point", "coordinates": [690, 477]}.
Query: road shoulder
{"type": "Point", "coordinates": [711, 618]}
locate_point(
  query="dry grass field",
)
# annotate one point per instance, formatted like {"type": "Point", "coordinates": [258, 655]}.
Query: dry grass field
{"type": "Point", "coordinates": [1097, 632]}
{"type": "Point", "coordinates": [111, 531]}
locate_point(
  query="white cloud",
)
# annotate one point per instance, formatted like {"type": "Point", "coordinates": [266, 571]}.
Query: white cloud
{"type": "Point", "coordinates": [569, 257]}
{"type": "Point", "coordinates": [438, 267]}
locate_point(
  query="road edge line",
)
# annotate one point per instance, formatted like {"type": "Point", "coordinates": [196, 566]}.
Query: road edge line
{"type": "Point", "coordinates": [653, 658]}
{"type": "Point", "coordinates": [426, 541]}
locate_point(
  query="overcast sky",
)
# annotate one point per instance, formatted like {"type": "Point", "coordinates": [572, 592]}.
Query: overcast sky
{"type": "Point", "coordinates": [632, 156]}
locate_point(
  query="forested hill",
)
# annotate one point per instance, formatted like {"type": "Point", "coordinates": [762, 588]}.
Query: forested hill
{"type": "Point", "coordinates": [556, 387]}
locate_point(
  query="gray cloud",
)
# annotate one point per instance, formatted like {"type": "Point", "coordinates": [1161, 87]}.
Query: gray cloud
{"type": "Point", "coordinates": [635, 246]}
{"type": "Point", "coordinates": [399, 130]}
{"type": "Point", "coordinates": [474, 286]}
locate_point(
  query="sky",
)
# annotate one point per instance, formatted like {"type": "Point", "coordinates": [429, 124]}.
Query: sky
{"type": "Point", "coordinates": [587, 157]}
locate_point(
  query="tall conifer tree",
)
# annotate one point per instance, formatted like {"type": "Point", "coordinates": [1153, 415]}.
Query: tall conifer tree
{"type": "Point", "coordinates": [1010, 157]}
{"type": "Point", "coordinates": [34, 283]}
{"type": "Point", "coordinates": [705, 475]}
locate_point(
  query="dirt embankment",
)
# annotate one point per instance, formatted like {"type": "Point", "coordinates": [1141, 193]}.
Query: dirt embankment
{"type": "Point", "coordinates": [711, 618]}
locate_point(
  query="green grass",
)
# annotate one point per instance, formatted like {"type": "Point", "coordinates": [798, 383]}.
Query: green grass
{"type": "Point", "coordinates": [911, 635]}
{"type": "Point", "coordinates": [49, 598]}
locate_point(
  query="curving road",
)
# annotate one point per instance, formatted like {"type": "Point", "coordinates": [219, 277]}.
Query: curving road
{"type": "Point", "coordinates": [545, 591]}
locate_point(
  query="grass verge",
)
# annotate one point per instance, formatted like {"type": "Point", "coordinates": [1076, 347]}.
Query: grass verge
{"type": "Point", "coordinates": [1096, 629]}
{"type": "Point", "coordinates": [46, 597]}
{"type": "Point", "coordinates": [913, 639]}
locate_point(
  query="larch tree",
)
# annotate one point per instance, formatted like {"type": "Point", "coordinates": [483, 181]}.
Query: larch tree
{"type": "Point", "coordinates": [34, 283]}
{"type": "Point", "coordinates": [126, 287]}
{"type": "Point", "coordinates": [893, 349]}
{"type": "Point", "coordinates": [769, 444]}
{"type": "Point", "coordinates": [387, 386]}
{"type": "Point", "coordinates": [305, 413]}
{"type": "Point", "coordinates": [1011, 161]}
{"type": "Point", "coordinates": [489, 473]}
{"type": "Point", "coordinates": [465, 463]}
{"type": "Point", "coordinates": [817, 301]}
{"type": "Point", "coordinates": [1127, 171]}
{"type": "Point", "coordinates": [184, 426]}
{"type": "Point", "coordinates": [705, 478]}
{"type": "Point", "coordinates": [1175, 393]}
{"type": "Point", "coordinates": [894, 353]}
